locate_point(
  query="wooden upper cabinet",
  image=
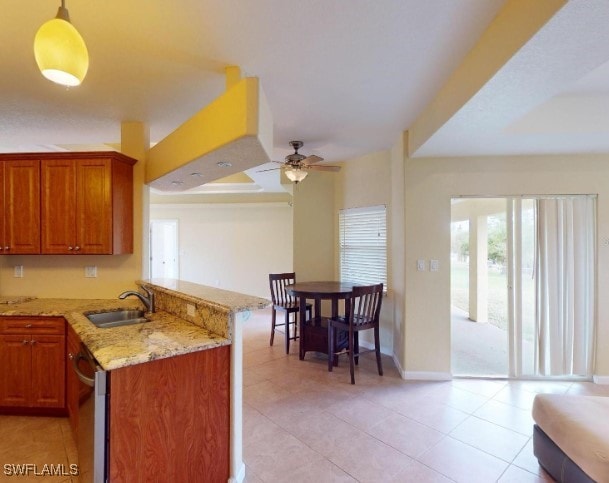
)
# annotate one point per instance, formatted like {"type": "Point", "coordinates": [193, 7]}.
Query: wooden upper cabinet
{"type": "Point", "coordinates": [59, 199]}
{"type": "Point", "coordinates": [66, 203]}
{"type": "Point", "coordinates": [20, 207]}
{"type": "Point", "coordinates": [87, 204]}
{"type": "Point", "coordinates": [94, 205]}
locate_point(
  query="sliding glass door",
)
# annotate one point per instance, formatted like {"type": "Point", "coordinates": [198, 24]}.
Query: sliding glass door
{"type": "Point", "coordinates": [549, 264]}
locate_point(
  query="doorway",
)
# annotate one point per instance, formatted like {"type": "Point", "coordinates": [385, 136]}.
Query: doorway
{"type": "Point", "coordinates": [479, 287]}
{"type": "Point", "coordinates": [164, 261]}
{"type": "Point", "coordinates": [523, 286]}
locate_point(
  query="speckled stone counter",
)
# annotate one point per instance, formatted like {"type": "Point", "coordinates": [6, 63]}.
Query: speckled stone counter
{"type": "Point", "coordinates": [165, 335]}
{"type": "Point", "coordinates": [211, 308]}
{"type": "Point", "coordinates": [169, 332]}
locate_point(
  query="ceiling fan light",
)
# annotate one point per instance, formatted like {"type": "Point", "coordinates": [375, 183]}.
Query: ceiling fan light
{"type": "Point", "coordinates": [296, 175]}
{"type": "Point", "coordinates": [60, 51]}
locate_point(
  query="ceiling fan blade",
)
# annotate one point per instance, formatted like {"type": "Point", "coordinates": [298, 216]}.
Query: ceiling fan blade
{"type": "Point", "coordinates": [324, 168]}
{"type": "Point", "coordinates": [311, 160]}
{"type": "Point", "coordinates": [265, 170]}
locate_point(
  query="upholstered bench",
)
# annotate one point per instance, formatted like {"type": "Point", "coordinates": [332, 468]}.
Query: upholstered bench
{"type": "Point", "coordinates": [571, 437]}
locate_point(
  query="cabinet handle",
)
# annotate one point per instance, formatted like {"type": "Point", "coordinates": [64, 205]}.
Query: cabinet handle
{"type": "Point", "coordinates": [76, 248]}
{"type": "Point", "coordinates": [28, 326]}
{"type": "Point", "coordinates": [33, 341]}
{"type": "Point", "coordinates": [25, 342]}
{"type": "Point", "coordinates": [70, 248]}
{"type": "Point", "coordinates": [7, 248]}
{"type": "Point", "coordinates": [70, 356]}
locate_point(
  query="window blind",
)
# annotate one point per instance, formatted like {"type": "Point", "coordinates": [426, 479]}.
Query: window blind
{"type": "Point", "coordinates": [363, 245]}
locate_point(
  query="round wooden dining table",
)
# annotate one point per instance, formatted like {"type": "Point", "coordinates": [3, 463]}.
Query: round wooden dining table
{"type": "Point", "coordinates": [314, 333]}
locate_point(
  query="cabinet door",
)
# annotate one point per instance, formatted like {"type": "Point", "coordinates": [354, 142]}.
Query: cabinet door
{"type": "Point", "coordinates": [48, 371]}
{"type": "Point", "coordinates": [94, 206]}
{"type": "Point", "coordinates": [22, 207]}
{"type": "Point", "coordinates": [15, 375]}
{"type": "Point", "coordinates": [58, 178]}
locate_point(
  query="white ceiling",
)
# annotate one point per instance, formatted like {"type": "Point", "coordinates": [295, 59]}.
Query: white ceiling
{"type": "Point", "coordinates": [346, 77]}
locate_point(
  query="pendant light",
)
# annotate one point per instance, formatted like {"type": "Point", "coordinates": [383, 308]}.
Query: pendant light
{"type": "Point", "coordinates": [60, 51]}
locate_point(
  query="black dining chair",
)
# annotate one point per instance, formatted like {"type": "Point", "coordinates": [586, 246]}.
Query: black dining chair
{"type": "Point", "coordinates": [286, 303]}
{"type": "Point", "coordinates": [364, 314]}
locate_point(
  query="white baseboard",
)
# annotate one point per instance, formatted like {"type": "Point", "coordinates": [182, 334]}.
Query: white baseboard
{"type": "Point", "coordinates": [239, 477]}
{"type": "Point", "coordinates": [427, 376]}
{"type": "Point", "coordinates": [600, 379]}
{"type": "Point", "coordinates": [396, 361]}
{"type": "Point", "coordinates": [411, 375]}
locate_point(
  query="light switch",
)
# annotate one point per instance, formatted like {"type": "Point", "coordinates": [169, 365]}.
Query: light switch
{"type": "Point", "coordinates": [90, 271]}
{"type": "Point", "coordinates": [434, 265]}
{"type": "Point", "coordinates": [18, 271]}
{"type": "Point", "coordinates": [421, 265]}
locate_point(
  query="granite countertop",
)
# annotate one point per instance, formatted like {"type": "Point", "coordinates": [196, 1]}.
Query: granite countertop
{"type": "Point", "coordinates": [163, 336]}
{"type": "Point", "coordinates": [231, 302]}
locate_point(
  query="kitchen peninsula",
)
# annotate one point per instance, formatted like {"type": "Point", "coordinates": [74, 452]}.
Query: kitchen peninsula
{"type": "Point", "coordinates": [176, 380]}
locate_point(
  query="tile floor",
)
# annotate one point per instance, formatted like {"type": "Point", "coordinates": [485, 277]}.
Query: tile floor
{"type": "Point", "coordinates": [39, 441]}
{"type": "Point", "coordinates": [303, 424]}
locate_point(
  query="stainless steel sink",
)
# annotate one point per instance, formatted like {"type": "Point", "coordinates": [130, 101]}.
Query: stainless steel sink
{"type": "Point", "coordinates": [116, 318]}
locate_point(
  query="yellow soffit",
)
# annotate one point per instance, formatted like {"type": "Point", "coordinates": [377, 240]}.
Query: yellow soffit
{"type": "Point", "coordinates": [230, 135]}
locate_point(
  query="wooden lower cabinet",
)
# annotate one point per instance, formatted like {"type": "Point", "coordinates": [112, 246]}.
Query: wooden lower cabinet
{"type": "Point", "coordinates": [170, 419]}
{"type": "Point", "coordinates": [32, 358]}
{"type": "Point", "coordinates": [15, 377]}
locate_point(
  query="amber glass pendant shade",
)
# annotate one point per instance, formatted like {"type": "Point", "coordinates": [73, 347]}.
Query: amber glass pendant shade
{"type": "Point", "coordinates": [60, 51]}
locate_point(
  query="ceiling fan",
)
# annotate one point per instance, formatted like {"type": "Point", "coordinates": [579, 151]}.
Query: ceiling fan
{"type": "Point", "coordinates": [296, 164]}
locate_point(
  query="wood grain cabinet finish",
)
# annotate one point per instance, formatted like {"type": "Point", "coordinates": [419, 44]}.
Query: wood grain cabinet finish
{"type": "Point", "coordinates": [170, 419]}
{"type": "Point", "coordinates": [32, 358]}
{"type": "Point", "coordinates": [87, 205]}
{"type": "Point", "coordinates": [66, 203]}
{"type": "Point", "coordinates": [20, 207]}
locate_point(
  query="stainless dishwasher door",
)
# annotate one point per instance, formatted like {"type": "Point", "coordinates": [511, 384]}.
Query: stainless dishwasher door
{"type": "Point", "coordinates": [92, 418]}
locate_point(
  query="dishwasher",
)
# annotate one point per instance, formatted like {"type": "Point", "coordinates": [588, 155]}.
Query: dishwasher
{"type": "Point", "coordinates": [92, 419]}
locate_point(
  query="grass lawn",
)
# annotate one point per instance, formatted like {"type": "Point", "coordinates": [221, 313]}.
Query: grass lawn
{"type": "Point", "coordinates": [497, 297]}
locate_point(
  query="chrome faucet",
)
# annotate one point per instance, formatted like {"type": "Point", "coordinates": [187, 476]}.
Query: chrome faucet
{"type": "Point", "coordinates": [147, 300]}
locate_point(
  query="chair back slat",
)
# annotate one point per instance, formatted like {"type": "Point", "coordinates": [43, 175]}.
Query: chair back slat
{"type": "Point", "coordinates": [366, 305]}
{"type": "Point", "coordinates": [278, 283]}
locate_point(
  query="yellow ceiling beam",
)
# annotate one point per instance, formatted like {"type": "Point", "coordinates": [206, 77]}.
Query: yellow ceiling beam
{"type": "Point", "coordinates": [235, 128]}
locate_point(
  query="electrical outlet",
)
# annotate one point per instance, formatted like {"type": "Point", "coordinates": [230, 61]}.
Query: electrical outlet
{"type": "Point", "coordinates": [421, 265]}
{"type": "Point", "coordinates": [190, 310]}
{"type": "Point", "coordinates": [90, 271]}
{"type": "Point", "coordinates": [434, 265]}
{"type": "Point", "coordinates": [18, 271]}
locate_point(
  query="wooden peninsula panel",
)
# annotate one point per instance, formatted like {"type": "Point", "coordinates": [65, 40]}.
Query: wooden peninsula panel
{"type": "Point", "coordinates": [170, 419]}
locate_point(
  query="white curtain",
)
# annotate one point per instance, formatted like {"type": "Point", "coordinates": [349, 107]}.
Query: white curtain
{"type": "Point", "coordinates": [565, 287]}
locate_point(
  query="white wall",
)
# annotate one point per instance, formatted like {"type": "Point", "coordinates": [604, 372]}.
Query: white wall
{"type": "Point", "coordinates": [429, 186]}
{"type": "Point", "coordinates": [232, 246]}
